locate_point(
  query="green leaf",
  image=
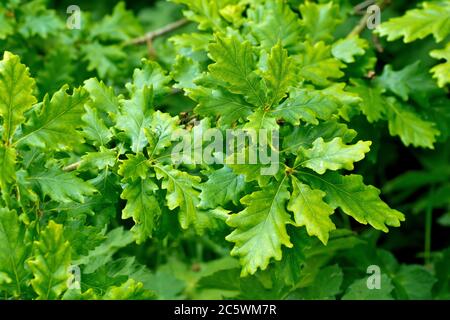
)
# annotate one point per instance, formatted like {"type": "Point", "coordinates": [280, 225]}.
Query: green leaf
{"type": "Point", "coordinates": [373, 103]}
{"type": "Point", "coordinates": [319, 20]}
{"type": "Point", "coordinates": [95, 129]}
{"type": "Point", "coordinates": [135, 167]}
{"type": "Point", "coordinates": [130, 290]}
{"type": "Point", "coordinates": [216, 102]}
{"type": "Point", "coordinates": [272, 22]}
{"type": "Point", "coordinates": [307, 105]}
{"type": "Point", "coordinates": [104, 59]}
{"type": "Point", "coordinates": [411, 128]}
{"type": "Point", "coordinates": [142, 206]}
{"type": "Point", "coordinates": [6, 24]}
{"type": "Point", "coordinates": [14, 250]}
{"type": "Point", "coordinates": [411, 81]}
{"type": "Point", "coordinates": [39, 20]}
{"type": "Point", "coordinates": [100, 160]}
{"type": "Point", "coordinates": [8, 165]}
{"type": "Point", "coordinates": [260, 229]}
{"type": "Point", "coordinates": [161, 134]}
{"type": "Point", "coordinates": [310, 210]}
{"type": "Point", "coordinates": [102, 254]}
{"type": "Point", "coordinates": [50, 263]}
{"type": "Point", "coordinates": [333, 155]}
{"type": "Point", "coordinates": [235, 63]}
{"type": "Point", "coordinates": [326, 285]}
{"type": "Point", "coordinates": [181, 193]}
{"type": "Point", "coordinates": [121, 25]}
{"type": "Point", "coordinates": [358, 290]}
{"type": "Point", "coordinates": [150, 75]}
{"type": "Point", "coordinates": [441, 72]}
{"type": "Point", "coordinates": [223, 186]}
{"type": "Point", "coordinates": [262, 119]}
{"type": "Point", "coordinates": [317, 64]}
{"type": "Point", "coordinates": [135, 116]}
{"type": "Point", "coordinates": [346, 49]}
{"type": "Point", "coordinates": [356, 199]}
{"type": "Point", "coordinates": [184, 72]}
{"type": "Point", "coordinates": [431, 18]}
{"type": "Point", "coordinates": [62, 186]}
{"type": "Point", "coordinates": [414, 282]}
{"type": "Point", "coordinates": [103, 98]}
{"type": "Point", "coordinates": [16, 93]}
{"type": "Point", "coordinates": [54, 125]}
{"type": "Point", "coordinates": [279, 75]}
{"type": "Point", "coordinates": [205, 13]}
{"type": "Point", "coordinates": [304, 136]}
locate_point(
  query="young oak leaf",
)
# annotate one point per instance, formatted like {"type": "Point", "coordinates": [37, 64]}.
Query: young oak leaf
{"type": "Point", "coordinates": [50, 262]}
{"type": "Point", "coordinates": [142, 206]}
{"type": "Point", "coordinates": [441, 72]}
{"type": "Point", "coordinates": [14, 250]}
{"type": "Point", "coordinates": [181, 193]}
{"type": "Point", "coordinates": [346, 49]}
{"type": "Point", "coordinates": [332, 155]}
{"type": "Point", "coordinates": [94, 128]}
{"type": "Point", "coordinates": [310, 210]}
{"type": "Point", "coordinates": [104, 59]}
{"type": "Point", "coordinates": [318, 65]}
{"type": "Point", "coordinates": [356, 199]}
{"type": "Point", "coordinates": [8, 166]}
{"type": "Point", "coordinates": [304, 136]}
{"type": "Point", "coordinates": [135, 116]}
{"type": "Point", "coordinates": [223, 186]}
{"type": "Point", "coordinates": [273, 22]}
{"type": "Point", "coordinates": [150, 75]}
{"type": "Point", "coordinates": [55, 123]}
{"type": "Point", "coordinates": [235, 63]}
{"type": "Point", "coordinates": [319, 20]}
{"type": "Point", "coordinates": [228, 106]}
{"type": "Point", "coordinates": [103, 98]}
{"type": "Point", "coordinates": [134, 168]}
{"type": "Point", "coordinates": [280, 74]}
{"type": "Point", "coordinates": [373, 103]}
{"type": "Point", "coordinates": [62, 186]}
{"type": "Point", "coordinates": [432, 18]}
{"type": "Point", "coordinates": [16, 93]}
{"type": "Point", "coordinates": [411, 81]}
{"type": "Point", "coordinates": [409, 126]}
{"type": "Point", "coordinates": [307, 105]}
{"type": "Point", "coordinates": [205, 13]}
{"type": "Point", "coordinates": [260, 229]}
{"type": "Point", "coordinates": [161, 132]}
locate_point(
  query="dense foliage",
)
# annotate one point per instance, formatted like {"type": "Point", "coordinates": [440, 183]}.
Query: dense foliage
{"type": "Point", "coordinates": [94, 205]}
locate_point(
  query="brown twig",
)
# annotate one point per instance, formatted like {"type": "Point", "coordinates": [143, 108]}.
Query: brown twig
{"type": "Point", "coordinates": [149, 36]}
{"type": "Point", "coordinates": [363, 22]}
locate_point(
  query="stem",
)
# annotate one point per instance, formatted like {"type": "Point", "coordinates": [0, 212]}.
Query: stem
{"type": "Point", "coordinates": [72, 167]}
{"type": "Point", "coordinates": [149, 36]}
{"type": "Point", "coordinates": [428, 227]}
{"type": "Point", "coordinates": [363, 22]}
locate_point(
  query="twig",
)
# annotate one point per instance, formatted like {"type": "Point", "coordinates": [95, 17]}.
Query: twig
{"type": "Point", "coordinates": [363, 22]}
{"type": "Point", "coordinates": [149, 36]}
{"type": "Point", "coordinates": [360, 7]}
{"type": "Point", "coordinates": [72, 167]}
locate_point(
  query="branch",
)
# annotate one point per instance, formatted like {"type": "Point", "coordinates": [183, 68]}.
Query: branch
{"type": "Point", "coordinates": [149, 36]}
{"type": "Point", "coordinates": [363, 22]}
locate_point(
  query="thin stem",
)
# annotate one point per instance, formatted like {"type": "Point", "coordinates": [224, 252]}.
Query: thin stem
{"type": "Point", "coordinates": [428, 227]}
{"type": "Point", "coordinates": [363, 22]}
{"type": "Point", "coordinates": [72, 167]}
{"type": "Point", "coordinates": [149, 36]}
